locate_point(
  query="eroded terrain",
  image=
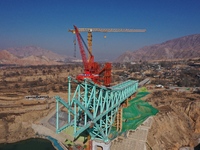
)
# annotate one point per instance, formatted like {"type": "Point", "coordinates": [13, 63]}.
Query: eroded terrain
{"type": "Point", "coordinates": [17, 112]}
{"type": "Point", "coordinates": [178, 122]}
{"type": "Point", "coordinates": [176, 125]}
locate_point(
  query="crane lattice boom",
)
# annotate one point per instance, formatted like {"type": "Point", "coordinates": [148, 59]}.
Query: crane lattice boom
{"type": "Point", "coordinates": [106, 30]}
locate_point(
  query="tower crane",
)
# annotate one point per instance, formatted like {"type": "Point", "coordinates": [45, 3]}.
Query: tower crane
{"type": "Point", "coordinates": [105, 30]}
{"type": "Point", "coordinates": [92, 69]}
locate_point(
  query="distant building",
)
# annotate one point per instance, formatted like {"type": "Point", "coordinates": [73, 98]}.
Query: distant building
{"type": "Point", "coordinates": [39, 97]}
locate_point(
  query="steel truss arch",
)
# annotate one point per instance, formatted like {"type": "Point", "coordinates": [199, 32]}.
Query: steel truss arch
{"type": "Point", "coordinates": [93, 107]}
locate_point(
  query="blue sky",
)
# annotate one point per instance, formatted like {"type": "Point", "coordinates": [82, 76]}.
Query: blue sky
{"type": "Point", "coordinates": [45, 23]}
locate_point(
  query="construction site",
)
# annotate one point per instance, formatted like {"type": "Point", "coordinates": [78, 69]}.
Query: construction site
{"type": "Point", "coordinates": [100, 75]}
{"type": "Point", "coordinates": [97, 114]}
{"type": "Point", "coordinates": [90, 105]}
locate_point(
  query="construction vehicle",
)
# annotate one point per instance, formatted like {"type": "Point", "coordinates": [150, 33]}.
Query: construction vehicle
{"type": "Point", "coordinates": [92, 70]}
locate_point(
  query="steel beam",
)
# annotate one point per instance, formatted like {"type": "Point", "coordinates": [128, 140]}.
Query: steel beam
{"type": "Point", "coordinates": [94, 107]}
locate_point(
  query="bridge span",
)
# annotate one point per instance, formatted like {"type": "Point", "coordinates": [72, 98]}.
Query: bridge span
{"type": "Point", "coordinates": [93, 107]}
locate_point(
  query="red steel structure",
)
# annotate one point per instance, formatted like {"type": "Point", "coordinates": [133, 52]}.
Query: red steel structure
{"type": "Point", "coordinates": [92, 70]}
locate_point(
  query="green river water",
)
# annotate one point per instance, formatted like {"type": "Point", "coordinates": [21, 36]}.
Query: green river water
{"type": "Point", "coordinates": [30, 144]}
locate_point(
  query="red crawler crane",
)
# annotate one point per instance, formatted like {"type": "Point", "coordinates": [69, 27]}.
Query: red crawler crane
{"type": "Point", "coordinates": [91, 68]}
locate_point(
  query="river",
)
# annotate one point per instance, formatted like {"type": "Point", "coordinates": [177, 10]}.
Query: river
{"type": "Point", "coordinates": [30, 144]}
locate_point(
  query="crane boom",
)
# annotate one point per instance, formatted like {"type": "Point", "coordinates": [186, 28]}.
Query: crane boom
{"type": "Point", "coordinates": [82, 51]}
{"type": "Point", "coordinates": [106, 30]}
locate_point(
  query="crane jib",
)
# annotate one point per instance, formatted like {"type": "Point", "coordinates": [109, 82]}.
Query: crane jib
{"type": "Point", "coordinates": [107, 30]}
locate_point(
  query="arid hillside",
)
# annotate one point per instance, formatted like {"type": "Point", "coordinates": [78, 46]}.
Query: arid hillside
{"type": "Point", "coordinates": [178, 122]}
{"type": "Point", "coordinates": [18, 113]}
{"type": "Point", "coordinates": [181, 48]}
{"type": "Point", "coordinates": [35, 51]}
{"type": "Point", "coordinates": [6, 58]}
{"type": "Point", "coordinates": [176, 125]}
{"type": "Point", "coordinates": [31, 55]}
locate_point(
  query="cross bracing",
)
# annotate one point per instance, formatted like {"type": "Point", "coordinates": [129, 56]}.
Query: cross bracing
{"type": "Point", "coordinates": [93, 107]}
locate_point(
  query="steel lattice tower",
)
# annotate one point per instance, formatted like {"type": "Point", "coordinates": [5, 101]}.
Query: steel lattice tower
{"type": "Point", "coordinates": [93, 107]}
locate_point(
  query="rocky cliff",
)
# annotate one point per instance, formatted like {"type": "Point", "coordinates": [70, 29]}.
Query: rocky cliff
{"type": "Point", "coordinates": [17, 116]}
{"type": "Point", "coordinates": [178, 122]}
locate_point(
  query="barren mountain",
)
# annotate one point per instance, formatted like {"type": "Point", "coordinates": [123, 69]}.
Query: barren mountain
{"type": "Point", "coordinates": [31, 55]}
{"type": "Point", "coordinates": [35, 51]}
{"type": "Point", "coordinates": [180, 48]}
{"type": "Point", "coordinates": [8, 58]}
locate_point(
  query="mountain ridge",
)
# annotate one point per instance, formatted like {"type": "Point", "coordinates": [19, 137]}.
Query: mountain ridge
{"type": "Point", "coordinates": [35, 51]}
{"type": "Point", "coordinates": [7, 58]}
{"type": "Point", "coordinates": [178, 48]}
{"type": "Point", "coordinates": [32, 55]}
{"type": "Point", "coordinates": [185, 47]}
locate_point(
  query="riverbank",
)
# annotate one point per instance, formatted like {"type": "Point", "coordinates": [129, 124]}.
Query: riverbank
{"type": "Point", "coordinates": [56, 144]}
{"type": "Point", "coordinates": [56, 139]}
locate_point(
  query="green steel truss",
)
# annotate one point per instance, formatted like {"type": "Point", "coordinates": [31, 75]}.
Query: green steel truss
{"type": "Point", "coordinates": [93, 108]}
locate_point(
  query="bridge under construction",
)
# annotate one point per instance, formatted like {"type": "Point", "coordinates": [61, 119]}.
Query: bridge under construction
{"type": "Point", "coordinates": [93, 107]}
{"type": "Point", "coordinates": [96, 109]}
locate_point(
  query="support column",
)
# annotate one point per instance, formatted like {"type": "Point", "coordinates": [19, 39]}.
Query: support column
{"type": "Point", "coordinates": [57, 116]}
{"type": "Point", "coordinates": [69, 97]}
{"type": "Point", "coordinates": [118, 119]}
